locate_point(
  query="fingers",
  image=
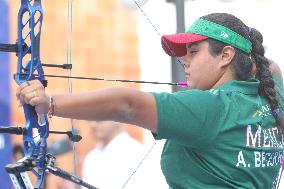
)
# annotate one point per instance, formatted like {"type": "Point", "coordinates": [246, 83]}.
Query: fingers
{"type": "Point", "coordinates": [18, 92]}
{"type": "Point", "coordinates": [33, 93]}
{"type": "Point", "coordinates": [29, 97]}
{"type": "Point", "coordinates": [30, 92]}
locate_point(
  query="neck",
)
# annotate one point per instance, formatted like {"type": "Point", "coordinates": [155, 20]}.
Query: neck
{"type": "Point", "coordinates": [225, 77]}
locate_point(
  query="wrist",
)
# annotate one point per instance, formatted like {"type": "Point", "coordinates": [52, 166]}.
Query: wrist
{"type": "Point", "coordinates": [51, 107]}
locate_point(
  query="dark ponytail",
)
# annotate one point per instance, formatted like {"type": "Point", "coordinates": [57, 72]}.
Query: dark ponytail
{"type": "Point", "coordinates": [263, 74]}
{"type": "Point", "coordinates": [243, 62]}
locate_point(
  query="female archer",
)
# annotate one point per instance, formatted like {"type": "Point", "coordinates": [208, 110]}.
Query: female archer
{"type": "Point", "coordinates": [224, 132]}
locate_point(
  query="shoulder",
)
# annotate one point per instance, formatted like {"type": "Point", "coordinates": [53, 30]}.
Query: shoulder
{"type": "Point", "coordinates": [187, 96]}
{"type": "Point", "coordinates": [172, 106]}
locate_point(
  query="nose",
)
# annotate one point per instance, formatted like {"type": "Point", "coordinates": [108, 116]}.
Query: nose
{"type": "Point", "coordinates": [185, 64]}
{"type": "Point", "coordinates": [185, 61]}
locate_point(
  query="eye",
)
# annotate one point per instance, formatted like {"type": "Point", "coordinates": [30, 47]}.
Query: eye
{"type": "Point", "coordinates": [192, 51]}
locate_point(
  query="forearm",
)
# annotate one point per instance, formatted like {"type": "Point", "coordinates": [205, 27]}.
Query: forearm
{"type": "Point", "coordinates": [115, 103]}
{"type": "Point", "coordinates": [105, 104]}
{"type": "Point", "coordinates": [119, 104]}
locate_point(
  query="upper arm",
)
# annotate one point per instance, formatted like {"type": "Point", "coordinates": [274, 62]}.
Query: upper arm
{"type": "Point", "coordinates": [184, 116]}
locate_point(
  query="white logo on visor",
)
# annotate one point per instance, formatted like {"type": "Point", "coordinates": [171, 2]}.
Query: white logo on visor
{"type": "Point", "coordinates": [223, 34]}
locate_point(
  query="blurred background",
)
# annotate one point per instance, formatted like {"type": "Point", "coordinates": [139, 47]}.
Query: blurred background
{"type": "Point", "coordinates": [112, 39]}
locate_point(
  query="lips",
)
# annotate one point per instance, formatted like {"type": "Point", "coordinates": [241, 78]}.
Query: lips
{"type": "Point", "coordinates": [187, 76]}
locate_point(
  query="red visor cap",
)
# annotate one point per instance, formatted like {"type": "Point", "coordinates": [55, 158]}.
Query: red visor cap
{"type": "Point", "coordinates": [175, 45]}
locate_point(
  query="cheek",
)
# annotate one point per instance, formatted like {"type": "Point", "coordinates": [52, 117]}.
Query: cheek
{"type": "Point", "coordinates": [203, 75]}
{"type": "Point", "coordinates": [200, 69]}
{"type": "Point", "coordinates": [198, 78]}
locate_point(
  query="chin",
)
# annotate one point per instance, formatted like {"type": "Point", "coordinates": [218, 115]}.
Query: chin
{"type": "Point", "coordinates": [191, 87]}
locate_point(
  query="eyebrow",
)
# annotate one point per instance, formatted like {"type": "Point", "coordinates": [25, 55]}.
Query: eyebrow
{"type": "Point", "coordinates": [192, 45]}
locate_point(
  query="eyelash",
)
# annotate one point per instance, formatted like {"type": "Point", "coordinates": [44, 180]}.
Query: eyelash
{"type": "Point", "coordinates": [192, 51]}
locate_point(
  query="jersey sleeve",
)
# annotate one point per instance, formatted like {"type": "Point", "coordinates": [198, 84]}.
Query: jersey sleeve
{"type": "Point", "coordinates": [188, 117]}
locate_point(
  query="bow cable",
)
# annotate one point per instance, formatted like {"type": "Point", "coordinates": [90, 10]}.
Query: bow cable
{"type": "Point", "coordinates": [69, 62]}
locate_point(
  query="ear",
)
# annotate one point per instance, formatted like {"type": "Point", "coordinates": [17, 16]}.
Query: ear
{"type": "Point", "coordinates": [227, 55]}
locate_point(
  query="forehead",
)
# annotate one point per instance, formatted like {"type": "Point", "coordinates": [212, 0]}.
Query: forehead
{"type": "Point", "coordinates": [199, 44]}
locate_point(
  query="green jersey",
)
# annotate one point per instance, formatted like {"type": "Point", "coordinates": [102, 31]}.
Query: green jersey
{"type": "Point", "coordinates": [220, 138]}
